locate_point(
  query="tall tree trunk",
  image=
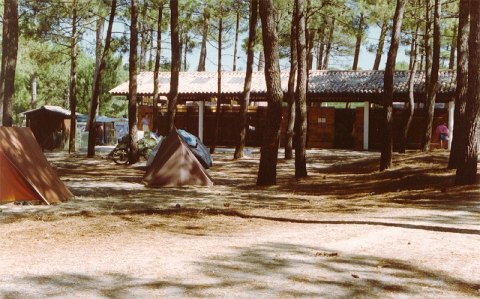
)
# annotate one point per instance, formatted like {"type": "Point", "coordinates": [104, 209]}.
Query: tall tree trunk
{"type": "Point", "coordinates": [73, 80]}
{"type": "Point", "coordinates": [261, 61]}
{"type": "Point", "coordinates": [9, 61]}
{"type": "Point", "coordinates": [413, 47]}
{"type": "Point", "coordinates": [176, 64]}
{"type": "Point", "coordinates": [235, 47]}
{"type": "Point", "coordinates": [290, 96]}
{"type": "Point", "coordinates": [358, 43]}
{"type": "Point", "coordinates": [144, 37]}
{"type": "Point", "coordinates": [321, 47]}
{"type": "Point", "coordinates": [98, 59]}
{"type": "Point", "coordinates": [381, 43]}
{"type": "Point", "coordinates": [453, 47]}
{"type": "Point", "coordinates": [33, 79]}
{"type": "Point", "coordinates": [459, 126]}
{"type": "Point", "coordinates": [33, 84]}
{"type": "Point", "coordinates": [96, 83]}
{"type": "Point", "coordinates": [301, 95]}
{"type": "Point", "coordinates": [218, 113]}
{"type": "Point", "coordinates": [467, 167]}
{"type": "Point", "coordinates": [132, 95]}
{"type": "Point", "coordinates": [267, 172]}
{"type": "Point", "coordinates": [185, 55]}
{"type": "Point", "coordinates": [245, 101]}
{"type": "Point", "coordinates": [152, 50]}
{"type": "Point", "coordinates": [411, 97]}
{"type": "Point", "coordinates": [429, 84]}
{"type": "Point", "coordinates": [310, 35]}
{"type": "Point", "coordinates": [433, 82]}
{"type": "Point", "coordinates": [158, 53]}
{"type": "Point", "coordinates": [203, 48]}
{"type": "Point", "coordinates": [387, 143]}
{"type": "Point", "coordinates": [329, 44]}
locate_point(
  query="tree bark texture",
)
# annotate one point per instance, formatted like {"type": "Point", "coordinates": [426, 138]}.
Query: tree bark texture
{"type": "Point", "coordinates": [9, 61]}
{"type": "Point", "coordinates": [301, 95]}
{"type": "Point", "coordinates": [427, 132]}
{"type": "Point", "coordinates": [411, 96]}
{"type": "Point", "coordinates": [203, 47]}
{"type": "Point", "coordinates": [218, 112]}
{"type": "Point", "coordinates": [453, 47]}
{"type": "Point", "coordinates": [387, 142]}
{"type": "Point", "coordinates": [310, 35]}
{"type": "Point", "coordinates": [97, 82]}
{"type": "Point", "coordinates": [459, 139]}
{"type": "Point", "coordinates": [98, 60]}
{"type": "Point", "coordinates": [132, 94]}
{"type": "Point", "coordinates": [269, 151]}
{"type": "Point", "coordinates": [358, 43]}
{"type": "Point", "coordinates": [433, 80]}
{"type": "Point", "coordinates": [235, 47]}
{"type": "Point", "coordinates": [329, 44]}
{"type": "Point", "coordinates": [158, 53]}
{"type": "Point", "coordinates": [321, 46]}
{"type": "Point", "coordinates": [261, 61]}
{"type": "Point", "coordinates": [467, 168]}
{"type": "Point", "coordinates": [176, 64]}
{"type": "Point", "coordinates": [144, 37]}
{"type": "Point", "coordinates": [290, 95]}
{"type": "Point", "coordinates": [33, 85]}
{"type": "Point", "coordinates": [73, 81]}
{"type": "Point", "coordinates": [245, 101]}
{"type": "Point", "coordinates": [381, 44]}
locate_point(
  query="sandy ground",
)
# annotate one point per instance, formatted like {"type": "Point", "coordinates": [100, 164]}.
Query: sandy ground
{"type": "Point", "coordinates": [346, 231]}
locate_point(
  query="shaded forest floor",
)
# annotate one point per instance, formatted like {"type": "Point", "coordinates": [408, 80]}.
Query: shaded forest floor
{"type": "Point", "coordinates": [345, 231]}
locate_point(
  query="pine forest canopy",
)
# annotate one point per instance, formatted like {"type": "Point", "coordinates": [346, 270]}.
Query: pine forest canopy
{"type": "Point", "coordinates": [333, 26]}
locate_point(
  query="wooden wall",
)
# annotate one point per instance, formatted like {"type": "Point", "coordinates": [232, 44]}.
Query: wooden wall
{"type": "Point", "coordinates": [328, 127]}
{"type": "Point", "coordinates": [51, 130]}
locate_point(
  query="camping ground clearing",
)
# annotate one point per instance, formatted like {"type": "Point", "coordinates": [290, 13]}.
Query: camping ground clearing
{"type": "Point", "coordinates": [346, 231]}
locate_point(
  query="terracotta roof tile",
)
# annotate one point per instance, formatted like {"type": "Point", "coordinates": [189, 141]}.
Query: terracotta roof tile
{"type": "Point", "coordinates": [327, 83]}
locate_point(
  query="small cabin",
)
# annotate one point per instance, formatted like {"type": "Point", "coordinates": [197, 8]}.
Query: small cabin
{"type": "Point", "coordinates": [50, 126]}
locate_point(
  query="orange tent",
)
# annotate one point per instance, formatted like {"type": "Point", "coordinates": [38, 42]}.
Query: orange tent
{"type": "Point", "coordinates": [25, 173]}
{"type": "Point", "coordinates": [175, 165]}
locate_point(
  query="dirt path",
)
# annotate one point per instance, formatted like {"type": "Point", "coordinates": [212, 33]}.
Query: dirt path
{"type": "Point", "coordinates": [347, 231]}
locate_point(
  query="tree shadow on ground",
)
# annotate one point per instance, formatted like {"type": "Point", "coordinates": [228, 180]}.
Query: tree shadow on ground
{"type": "Point", "coordinates": [266, 270]}
{"type": "Point", "coordinates": [378, 223]}
{"type": "Point", "coordinates": [338, 182]}
{"type": "Point", "coordinates": [345, 182]}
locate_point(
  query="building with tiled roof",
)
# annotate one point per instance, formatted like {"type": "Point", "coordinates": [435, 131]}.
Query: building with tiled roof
{"type": "Point", "coordinates": [368, 85]}
{"type": "Point", "coordinates": [358, 127]}
{"type": "Point", "coordinates": [337, 86]}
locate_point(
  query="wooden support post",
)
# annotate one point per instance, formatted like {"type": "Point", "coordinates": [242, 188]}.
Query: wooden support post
{"type": "Point", "coordinates": [451, 110]}
{"type": "Point", "coordinates": [366, 120]}
{"type": "Point", "coordinates": [201, 105]}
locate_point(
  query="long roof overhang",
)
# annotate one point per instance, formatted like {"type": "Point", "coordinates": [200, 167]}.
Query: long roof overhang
{"type": "Point", "coordinates": [348, 86]}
